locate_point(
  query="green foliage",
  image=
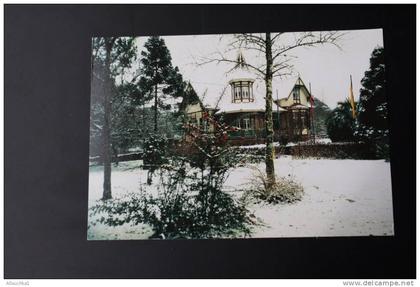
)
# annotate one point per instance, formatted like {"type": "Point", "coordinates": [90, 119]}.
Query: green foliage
{"type": "Point", "coordinates": [190, 202]}
{"type": "Point", "coordinates": [372, 120]}
{"type": "Point", "coordinates": [159, 79]}
{"type": "Point", "coordinates": [340, 123]}
{"type": "Point", "coordinates": [126, 97]}
{"type": "Point", "coordinates": [212, 159]}
{"type": "Point", "coordinates": [155, 150]}
{"type": "Point", "coordinates": [123, 53]}
{"type": "Point", "coordinates": [177, 211]}
{"type": "Point", "coordinates": [321, 113]}
{"type": "Point", "coordinates": [132, 118]}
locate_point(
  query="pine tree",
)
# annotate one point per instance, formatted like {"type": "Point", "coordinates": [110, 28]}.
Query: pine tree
{"type": "Point", "coordinates": [159, 78]}
{"type": "Point", "coordinates": [321, 113]}
{"type": "Point", "coordinates": [127, 118]}
{"type": "Point", "coordinates": [340, 123]}
{"type": "Point", "coordinates": [372, 116]}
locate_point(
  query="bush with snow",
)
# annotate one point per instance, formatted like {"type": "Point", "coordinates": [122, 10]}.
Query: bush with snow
{"type": "Point", "coordinates": [191, 202]}
{"type": "Point", "coordinates": [154, 154]}
{"type": "Point", "coordinates": [183, 208]}
{"type": "Point", "coordinates": [284, 190]}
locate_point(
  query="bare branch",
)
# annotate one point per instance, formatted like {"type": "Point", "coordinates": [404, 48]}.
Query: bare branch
{"type": "Point", "coordinates": [235, 48]}
{"type": "Point", "coordinates": [247, 39]}
{"type": "Point", "coordinates": [220, 97]}
{"type": "Point", "coordinates": [309, 39]}
{"type": "Point", "coordinates": [281, 49]}
{"type": "Point", "coordinates": [273, 39]}
{"type": "Point", "coordinates": [222, 59]}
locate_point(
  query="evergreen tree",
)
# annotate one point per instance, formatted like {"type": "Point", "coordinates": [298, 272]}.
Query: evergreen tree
{"type": "Point", "coordinates": [321, 113]}
{"type": "Point", "coordinates": [110, 57]}
{"type": "Point", "coordinates": [159, 78]}
{"type": "Point", "coordinates": [340, 123]}
{"type": "Point", "coordinates": [127, 118]}
{"type": "Point", "coordinates": [372, 116]}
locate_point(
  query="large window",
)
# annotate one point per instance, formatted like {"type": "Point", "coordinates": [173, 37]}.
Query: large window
{"type": "Point", "coordinates": [242, 91]}
{"type": "Point", "coordinates": [238, 94]}
{"type": "Point", "coordinates": [247, 123]}
{"type": "Point", "coordinates": [296, 95]}
{"type": "Point", "coordinates": [300, 120]}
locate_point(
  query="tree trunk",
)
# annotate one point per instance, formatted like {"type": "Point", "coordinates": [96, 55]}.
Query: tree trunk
{"type": "Point", "coordinates": [107, 122]}
{"type": "Point", "coordinates": [156, 103]}
{"type": "Point", "coordinates": [269, 151]}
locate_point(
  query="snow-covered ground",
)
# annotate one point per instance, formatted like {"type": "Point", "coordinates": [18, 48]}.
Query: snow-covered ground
{"type": "Point", "coordinates": [342, 198]}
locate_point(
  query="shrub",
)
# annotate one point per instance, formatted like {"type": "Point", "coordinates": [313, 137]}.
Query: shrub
{"type": "Point", "coordinates": [190, 202]}
{"type": "Point", "coordinates": [154, 154]}
{"type": "Point", "coordinates": [382, 148]}
{"type": "Point", "coordinates": [284, 190]}
{"type": "Point", "coordinates": [340, 123]}
{"type": "Point", "coordinates": [178, 211]}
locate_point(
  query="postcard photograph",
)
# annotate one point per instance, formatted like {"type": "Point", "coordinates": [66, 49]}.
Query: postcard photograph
{"type": "Point", "coordinates": [251, 135]}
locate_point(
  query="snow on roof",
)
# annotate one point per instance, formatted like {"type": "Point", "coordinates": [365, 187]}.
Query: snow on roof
{"type": "Point", "coordinates": [258, 105]}
{"type": "Point", "coordinates": [298, 82]}
{"type": "Point", "coordinates": [218, 95]}
{"type": "Point", "coordinates": [241, 74]}
{"type": "Point", "coordinates": [299, 106]}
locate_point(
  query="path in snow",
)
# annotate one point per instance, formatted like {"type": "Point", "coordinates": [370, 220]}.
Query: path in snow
{"type": "Point", "coordinates": [342, 198]}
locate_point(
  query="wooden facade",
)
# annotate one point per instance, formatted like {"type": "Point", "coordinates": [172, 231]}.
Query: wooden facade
{"type": "Point", "coordinates": [250, 127]}
{"type": "Point", "coordinates": [291, 115]}
{"type": "Point", "coordinates": [295, 125]}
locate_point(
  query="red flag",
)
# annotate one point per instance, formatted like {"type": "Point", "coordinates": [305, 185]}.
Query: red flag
{"type": "Point", "coordinates": [311, 100]}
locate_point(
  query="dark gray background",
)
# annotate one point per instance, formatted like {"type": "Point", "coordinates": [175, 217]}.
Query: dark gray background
{"type": "Point", "coordinates": [47, 90]}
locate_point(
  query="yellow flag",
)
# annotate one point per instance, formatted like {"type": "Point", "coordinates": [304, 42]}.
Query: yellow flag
{"type": "Point", "coordinates": [351, 99]}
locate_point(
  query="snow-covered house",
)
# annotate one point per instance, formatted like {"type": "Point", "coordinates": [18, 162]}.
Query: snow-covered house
{"type": "Point", "coordinates": [295, 123]}
{"type": "Point", "coordinates": [241, 104]}
{"type": "Point", "coordinates": [195, 111]}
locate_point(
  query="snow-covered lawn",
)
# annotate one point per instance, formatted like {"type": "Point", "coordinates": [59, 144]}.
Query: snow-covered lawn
{"type": "Point", "coordinates": [127, 177]}
{"type": "Point", "coordinates": [342, 198]}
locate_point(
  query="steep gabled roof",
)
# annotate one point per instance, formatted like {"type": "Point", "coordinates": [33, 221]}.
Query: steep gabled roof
{"type": "Point", "coordinates": [190, 98]}
{"type": "Point", "coordinates": [298, 83]}
{"type": "Point", "coordinates": [287, 102]}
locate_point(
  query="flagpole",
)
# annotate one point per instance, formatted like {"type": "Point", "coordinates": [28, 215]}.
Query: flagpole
{"type": "Point", "coordinates": [278, 113]}
{"type": "Point", "coordinates": [312, 124]}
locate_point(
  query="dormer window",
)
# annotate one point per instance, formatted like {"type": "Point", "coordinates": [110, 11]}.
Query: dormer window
{"type": "Point", "coordinates": [242, 91]}
{"type": "Point", "coordinates": [296, 95]}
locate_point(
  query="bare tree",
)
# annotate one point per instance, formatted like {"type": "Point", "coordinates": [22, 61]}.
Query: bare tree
{"type": "Point", "coordinates": [278, 63]}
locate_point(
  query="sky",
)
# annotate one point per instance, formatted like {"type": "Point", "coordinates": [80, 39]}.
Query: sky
{"type": "Point", "coordinates": [327, 68]}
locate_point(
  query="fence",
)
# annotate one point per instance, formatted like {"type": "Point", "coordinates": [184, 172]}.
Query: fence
{"type": "Point", "coordinates": [330, 150]}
